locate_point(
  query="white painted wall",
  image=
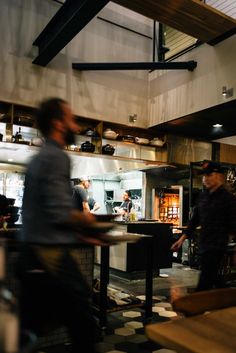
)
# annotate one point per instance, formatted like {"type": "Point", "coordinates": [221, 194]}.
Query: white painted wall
{"type": "Point", "coordinates": [173, 94]}
{"type": "Point", "coordinates": [109, 96]}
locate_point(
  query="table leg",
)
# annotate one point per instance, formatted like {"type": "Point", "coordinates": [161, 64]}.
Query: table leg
{"type": "Point", "coordinates": [104, 280]}
{"type": "Point", "coordinates": [149, 277]}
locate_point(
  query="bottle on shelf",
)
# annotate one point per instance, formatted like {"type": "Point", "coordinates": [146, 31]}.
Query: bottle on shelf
{"type": "Point", "coordinates": [18, 136]}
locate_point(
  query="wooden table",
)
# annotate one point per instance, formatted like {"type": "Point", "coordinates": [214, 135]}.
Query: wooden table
{"type": "Point", "coordinates": [214, 332]}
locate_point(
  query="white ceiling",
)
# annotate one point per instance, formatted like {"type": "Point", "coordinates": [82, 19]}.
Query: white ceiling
{"type": "Point", "coordinates": [227, 140]}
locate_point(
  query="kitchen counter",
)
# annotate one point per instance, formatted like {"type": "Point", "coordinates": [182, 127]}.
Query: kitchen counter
{"type": "Point", "coordinates": [10, 232]}
{"type": "Point", "coordinates": [130, 257]}
{"type": "Point", "coordinates": [139, 222]}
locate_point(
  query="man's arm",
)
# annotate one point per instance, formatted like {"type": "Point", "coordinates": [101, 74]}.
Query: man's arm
{"type": "Point", "coordinates": [86, 206]}
{"type": "Point", "coordinates": [96, 207]}
{"type": "Point", "coordinates": [192, 224]}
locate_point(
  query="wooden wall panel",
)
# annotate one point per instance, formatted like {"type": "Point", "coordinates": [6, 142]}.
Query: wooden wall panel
{"type": "Point", "coordinates": [227, 153]}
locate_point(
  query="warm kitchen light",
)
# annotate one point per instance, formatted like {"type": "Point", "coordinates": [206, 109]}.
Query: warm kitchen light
{"type": "Point", "coordinates": [217, 125]}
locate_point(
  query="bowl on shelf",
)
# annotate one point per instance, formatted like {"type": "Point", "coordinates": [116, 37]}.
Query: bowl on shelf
{"type": "Point", "coordinates": [141, 141]}
{"type": "Point", "coordinates": [11, 201]}
{"type": "Point", "coordinates": [36, 141]}
{"type": "Point", "coordinates": [87, 147]}
{"type": "Point", "coordinates": [12, 219]}
{"type": "Point", "coordinates": [128, 138]}
{"type": "Point", "coordinates": [91, 132]}
{"type": "Point", "coordinates": [110, 134]}
{"type": "Point", "coordinates": [108, 149]}
{"type": "Point", "coordinates": [157, 141]}
{"type": "Point", "coordinates": [12, 210]}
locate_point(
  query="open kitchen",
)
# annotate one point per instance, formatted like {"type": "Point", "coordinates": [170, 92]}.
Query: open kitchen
{"type": "Point", "coordinates": [148, 92]}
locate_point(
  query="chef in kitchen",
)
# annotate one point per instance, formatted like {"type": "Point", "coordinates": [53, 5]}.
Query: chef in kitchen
{"type": "Point", "coordinates": [80, 196]}
{"type": "Point", "coordinates": [125, 208]}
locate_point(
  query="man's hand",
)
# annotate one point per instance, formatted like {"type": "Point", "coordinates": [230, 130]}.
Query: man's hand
{"type": "Point", "coordinates": [90, 240]}
{"type": "Point", "coordinates": [178, 243]}
{"type": "Point", "coordinates": [3, 219]}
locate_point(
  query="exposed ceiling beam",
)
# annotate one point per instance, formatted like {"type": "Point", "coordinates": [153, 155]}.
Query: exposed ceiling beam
{"type": "Point", "coordinates": [192, 17]}
{"type": "Point", "coordinates": [186, 65]}
{"type": "Point", "coordinates": [69, 20]}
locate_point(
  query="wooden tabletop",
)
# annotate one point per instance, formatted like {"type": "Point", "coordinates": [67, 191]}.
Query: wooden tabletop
{"type": "Point", "coordinates": [214, 332]}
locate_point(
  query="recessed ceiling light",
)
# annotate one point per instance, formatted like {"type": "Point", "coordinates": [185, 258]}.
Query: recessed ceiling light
{"type": "Point", "coordinates": [10, 160]}
{"type": "Point", "coordinates": [217, 125]}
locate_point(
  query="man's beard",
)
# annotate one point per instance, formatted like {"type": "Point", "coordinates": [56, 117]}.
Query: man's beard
{"type": "Point", "coordinates": [69, 137]}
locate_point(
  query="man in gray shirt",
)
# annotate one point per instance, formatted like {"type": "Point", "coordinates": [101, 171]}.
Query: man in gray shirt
{"type": "Point", "coordinates": [52, 284]}
{"type": "Point", "coordinates": [80, 194]}
{"type": "Point", "coordinates": [82, 201]}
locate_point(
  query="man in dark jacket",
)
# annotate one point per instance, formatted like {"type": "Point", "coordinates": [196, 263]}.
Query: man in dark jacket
{"type": "Point", "coordinates": [215, 212]}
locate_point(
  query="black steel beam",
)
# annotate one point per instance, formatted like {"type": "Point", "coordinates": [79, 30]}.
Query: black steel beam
{"type": "Point", "coordinates": [222, 37]}
{"type": "Point", "coordinates": [187, 65]}
{"type": "Point", "coordinates": [69, 20]}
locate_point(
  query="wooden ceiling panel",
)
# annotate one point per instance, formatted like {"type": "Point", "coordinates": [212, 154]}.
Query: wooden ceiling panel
{"type": "Point", "coordinates": [192, 17]}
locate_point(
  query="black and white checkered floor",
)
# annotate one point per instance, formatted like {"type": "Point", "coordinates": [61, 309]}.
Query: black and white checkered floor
{"type": "Point", "coordinates": [125, 332]}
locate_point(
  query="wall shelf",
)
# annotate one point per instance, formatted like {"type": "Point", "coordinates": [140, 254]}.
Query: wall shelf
{"type": "Point", "coordinates": [15, 116]}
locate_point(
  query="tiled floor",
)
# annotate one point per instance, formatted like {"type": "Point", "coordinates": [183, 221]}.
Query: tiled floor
{"type": "Point", "coordinates": [125, 331]}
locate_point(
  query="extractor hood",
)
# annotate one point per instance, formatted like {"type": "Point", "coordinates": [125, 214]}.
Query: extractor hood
{"type": "Point", "coordinates": [81, 163]}
{"type": "Point", "coordinates": [94, 165]}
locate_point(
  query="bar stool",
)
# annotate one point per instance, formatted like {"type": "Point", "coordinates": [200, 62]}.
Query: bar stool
{"type": "Point", "coordinates": [229, 262]}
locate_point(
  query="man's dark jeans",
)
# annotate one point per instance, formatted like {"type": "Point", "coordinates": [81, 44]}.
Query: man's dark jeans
{"type": "Point", "coordinates": [61, 296]}
{"type": "Point", "coordinates": [210, 277]}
